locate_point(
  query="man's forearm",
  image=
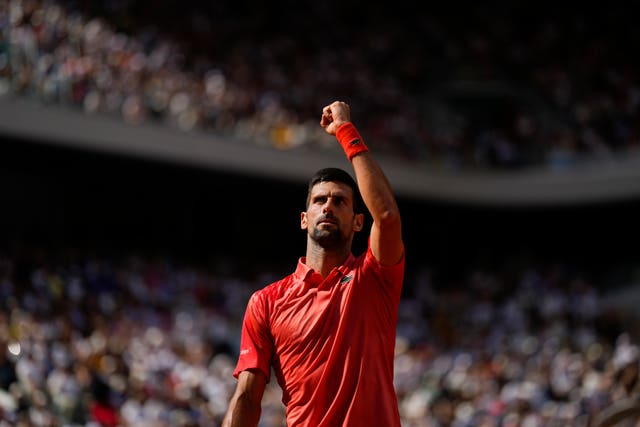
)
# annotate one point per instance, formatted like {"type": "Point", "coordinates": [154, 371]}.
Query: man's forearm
{"type": "Point", "coordinates": [243, 412]}
{"type": "Point", "coordinates": [386, 231]}
{"type": "Point", "coordinates": [375, 189]}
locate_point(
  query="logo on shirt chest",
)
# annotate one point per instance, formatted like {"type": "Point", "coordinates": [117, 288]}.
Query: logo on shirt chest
{"type": "Point", "coordinates": [346, 279]}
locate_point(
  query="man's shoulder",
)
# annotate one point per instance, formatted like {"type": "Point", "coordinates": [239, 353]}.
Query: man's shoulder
{"type": "Point", "coordinates": [275, 289]}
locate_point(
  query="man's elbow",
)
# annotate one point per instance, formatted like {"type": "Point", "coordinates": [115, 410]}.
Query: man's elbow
{"type": "Point", "coordinates": [388, 219]}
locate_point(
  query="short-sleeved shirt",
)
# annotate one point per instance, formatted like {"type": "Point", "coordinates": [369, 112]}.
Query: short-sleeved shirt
{"type": "Point", "coordinates": [329, 341]}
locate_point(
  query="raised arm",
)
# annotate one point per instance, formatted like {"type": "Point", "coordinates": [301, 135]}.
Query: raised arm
{"type": "Point", "coordinates": [377, 194]}
{"type": "Point", "coordinates": [246, 403]}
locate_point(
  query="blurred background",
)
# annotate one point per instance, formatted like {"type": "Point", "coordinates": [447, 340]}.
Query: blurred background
{"type": "Point", "coordinates": [153, 167]}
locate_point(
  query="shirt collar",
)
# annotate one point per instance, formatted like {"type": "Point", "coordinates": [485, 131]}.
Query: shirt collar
{"type": "Point", "coordinates": [303, 271]}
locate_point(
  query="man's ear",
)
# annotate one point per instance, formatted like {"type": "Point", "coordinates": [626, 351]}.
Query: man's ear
{"type": "Point", "coordinates": [303, 220]}
{"type": "Point", "coordinates": [358, 222]}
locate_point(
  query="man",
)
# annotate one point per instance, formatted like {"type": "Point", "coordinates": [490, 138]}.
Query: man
{"type": "Point", "coordinates": [328, 329]}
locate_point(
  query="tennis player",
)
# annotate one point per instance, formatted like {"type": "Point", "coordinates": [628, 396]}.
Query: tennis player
{"type": "Point", "coordinates": [328, 330]}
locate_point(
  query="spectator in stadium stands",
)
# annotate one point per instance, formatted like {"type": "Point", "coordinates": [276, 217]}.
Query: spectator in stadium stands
{"type": "Point", "coordinates": [329, 329]}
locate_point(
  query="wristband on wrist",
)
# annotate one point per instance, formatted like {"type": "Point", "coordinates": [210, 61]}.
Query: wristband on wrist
{"type": "Point", "coordinates": [350, 140]}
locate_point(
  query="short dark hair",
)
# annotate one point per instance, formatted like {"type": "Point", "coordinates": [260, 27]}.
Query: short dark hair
{"type": "Point", "coordinates": [337, 175]}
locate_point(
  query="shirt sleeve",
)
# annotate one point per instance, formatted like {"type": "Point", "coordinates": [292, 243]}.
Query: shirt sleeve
{"type": "Point", "coordinates": [256, 344]}
{"type": "Point", "coordinates": [391, 275]}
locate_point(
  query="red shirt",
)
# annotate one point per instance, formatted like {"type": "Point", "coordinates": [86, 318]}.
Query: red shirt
{"type": "Point", "coordinates": [330, 342]}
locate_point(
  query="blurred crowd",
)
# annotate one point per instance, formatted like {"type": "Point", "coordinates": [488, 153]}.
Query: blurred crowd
{"type": "Point", "coordinates": [495, 86]}
{"type": "Point", "coordinates": [147, 341]}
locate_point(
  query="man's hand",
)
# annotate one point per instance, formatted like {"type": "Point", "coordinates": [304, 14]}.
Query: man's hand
{"type": "Point", "coordinates": [335, 115]}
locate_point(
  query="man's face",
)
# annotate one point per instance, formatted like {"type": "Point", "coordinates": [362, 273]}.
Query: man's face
{"type": "Point", "coordinates": [330, 219]}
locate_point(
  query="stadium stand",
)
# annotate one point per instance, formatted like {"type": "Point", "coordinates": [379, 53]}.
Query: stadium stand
{"type": "Point", "coordinates": [501, 88]}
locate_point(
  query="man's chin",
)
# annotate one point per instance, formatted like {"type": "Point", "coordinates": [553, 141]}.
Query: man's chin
{"type": "Point", "coordinates": [327, 240]}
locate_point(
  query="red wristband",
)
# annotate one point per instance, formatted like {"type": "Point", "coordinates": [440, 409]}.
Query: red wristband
{"type": "Point", "coordinates": [350, 140]}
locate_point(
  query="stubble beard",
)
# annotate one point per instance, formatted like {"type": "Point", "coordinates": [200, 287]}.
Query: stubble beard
{"type": "Point", "coordinates": [328, 239]}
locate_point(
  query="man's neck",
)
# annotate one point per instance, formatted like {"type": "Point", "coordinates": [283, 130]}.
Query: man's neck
{"type": "Point", "coordinates": [323, 260]}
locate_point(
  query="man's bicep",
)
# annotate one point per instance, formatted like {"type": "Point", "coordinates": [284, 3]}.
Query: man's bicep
{"type": "Point", "coordinates": [252, 383]}
{"type": "Point", "coordinates": [386, 244]}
